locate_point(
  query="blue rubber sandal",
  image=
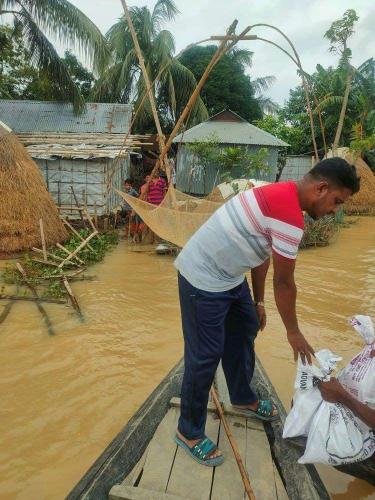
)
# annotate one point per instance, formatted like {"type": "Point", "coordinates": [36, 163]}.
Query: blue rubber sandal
{"type": "Point", "coordinates": [263, 412]}
{"type": "Point", "coordinates": [202, 451]}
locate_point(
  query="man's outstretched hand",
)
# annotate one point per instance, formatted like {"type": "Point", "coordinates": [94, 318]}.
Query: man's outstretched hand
{"type": "Point", "coordinates": [300, 346]}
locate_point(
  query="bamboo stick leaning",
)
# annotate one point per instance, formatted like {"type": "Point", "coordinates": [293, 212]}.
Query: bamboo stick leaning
{"type": "Point", "coordinates": [237, 455]}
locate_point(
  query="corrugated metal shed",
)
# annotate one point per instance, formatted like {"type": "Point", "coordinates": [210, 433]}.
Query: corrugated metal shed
{"type": "Point", "coordinates": [46, 116]}
{"type": "Point", "coordinates": [192, 178]}
{"type": "Point", "coordinates": [230, 132]}
{"type": "Point", "coordinates": [230, 129]}
{"type": "Point", "coordinates": [296, 167]}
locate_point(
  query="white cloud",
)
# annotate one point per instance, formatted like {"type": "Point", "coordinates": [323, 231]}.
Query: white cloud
{"type": "Point", "coordinates": [305, 23]}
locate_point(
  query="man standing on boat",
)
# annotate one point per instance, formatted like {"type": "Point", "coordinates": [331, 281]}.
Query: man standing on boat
{"type": "Point", "coordinates": [220, 320]}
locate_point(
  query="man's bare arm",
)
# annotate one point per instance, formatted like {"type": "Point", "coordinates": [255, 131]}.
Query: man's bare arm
{"type": "Point", "coordinates": [285, 291]}
{"type": "Point", "coordinates": [333, 392]}
{"type": "Point", "coordinates": [258, 280]}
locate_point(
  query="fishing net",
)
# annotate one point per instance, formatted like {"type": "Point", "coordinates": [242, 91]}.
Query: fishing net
{"type": "Point", "coordinates": [178, 216]}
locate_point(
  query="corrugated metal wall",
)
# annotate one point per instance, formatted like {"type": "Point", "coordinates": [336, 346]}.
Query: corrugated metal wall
{"type": "Point", "coordinates": [89, 179]}
{"type": "Point", "coordinates": [191, 178]}
{"type": "Point", "coordinates": [296, 167]}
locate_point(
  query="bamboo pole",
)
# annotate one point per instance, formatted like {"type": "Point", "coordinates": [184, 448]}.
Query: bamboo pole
{"type": "Point", "coordinates": [83, 244]}
{"type": "Point", "coordinates": [45, 262]}
{"type": "Point", "coordinates": [71, 295]}
{"type": "Point", "coordinates": [221, 50]}
{"type": "Point", "coordinates": [96, 216]}
{"type": "Point", "coordinates": [78, 205]}
{"type": "Point", "coordinates": [32, 299]}
{"type": "Point", "coordinates": [94, 228]}
{"type": "Point", "coordinates": [59, 245]}
{"type": "Point", "coordinates": [53, 256]}
{"type": "Point", "coordinates": [243, 472]}
{"type": "Point", "coordinates": [43, 239]}
{"type": "Point", "coordinates": [145, 74]}
{"type": "Point", "coordinates": [304, 84]}
{"type": "Point", "coordinates": [5, 312]}
{"type": "Point", "coordinates": [74, 231]}
{"type": "Point", "coordinates": [35, 293]}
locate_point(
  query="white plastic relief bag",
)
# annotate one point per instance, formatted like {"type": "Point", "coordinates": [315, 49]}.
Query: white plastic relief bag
{"type": "Point", "coordinates": [358, 377]}
{"type": "Point", "coordinates": [307, 398]}
{"type": "Point", "coordinates": [335, 435]}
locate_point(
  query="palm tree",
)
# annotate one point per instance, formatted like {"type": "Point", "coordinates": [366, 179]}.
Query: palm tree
{"type": "Point", "coordinates": [123, 82]}
{"type": "Point", "coordinates": [40, 19]}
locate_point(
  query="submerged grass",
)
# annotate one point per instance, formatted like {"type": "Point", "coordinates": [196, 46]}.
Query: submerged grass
{"type": "Point", "coordinates": [38, 271]}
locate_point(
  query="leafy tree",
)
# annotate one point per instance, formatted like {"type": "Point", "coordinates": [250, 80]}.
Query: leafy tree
{"type": "Point", "coordinates": [81, 76]}
{"type": "Point", "coordinates": [328, 86]}
{"type": "Point", "coordinates": [15, 70]}
{"type": "Point", "coordinates": [123, 81]}
{"type": "Point", "coordinates": [37, 20]}
{"type": "Point", "coordinates": [292, 135]}
{"type": "Point", "coordinates": [338, 34]}
{"type": "Point", "coordinates": [21, 80]}
{"type": "Point", "coordinates": [228, 86]}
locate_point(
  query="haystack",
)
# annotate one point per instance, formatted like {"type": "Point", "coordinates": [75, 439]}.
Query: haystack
{"type": "Point", "coordinates": [24, 199]}
{"type": "Point", "coordinates": [364, 201]}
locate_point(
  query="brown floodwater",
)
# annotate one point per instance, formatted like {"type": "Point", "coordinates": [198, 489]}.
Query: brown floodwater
{"type": "Point", "coordinates": [65, 397]}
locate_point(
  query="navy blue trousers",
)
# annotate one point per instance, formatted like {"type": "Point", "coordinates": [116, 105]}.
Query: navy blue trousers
{"type": "Point", "coordinates": [216, 325]}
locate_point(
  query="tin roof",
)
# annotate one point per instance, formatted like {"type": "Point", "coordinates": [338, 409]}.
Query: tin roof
{"type": "Point", "coordinates": [48, 116]}
{"type": "Point", "coordinates": [230, 132]}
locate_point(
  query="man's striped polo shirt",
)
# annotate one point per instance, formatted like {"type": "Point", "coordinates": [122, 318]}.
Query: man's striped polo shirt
{"type": "Point", "coordinates": [241, 235]}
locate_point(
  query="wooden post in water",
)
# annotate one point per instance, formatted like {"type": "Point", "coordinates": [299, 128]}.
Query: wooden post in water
{"type": "Point", "coordinates": [43, 239]}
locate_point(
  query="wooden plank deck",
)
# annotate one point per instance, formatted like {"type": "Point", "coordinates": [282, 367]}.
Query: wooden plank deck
{"type": "Point", "coordinates": [166, 472]}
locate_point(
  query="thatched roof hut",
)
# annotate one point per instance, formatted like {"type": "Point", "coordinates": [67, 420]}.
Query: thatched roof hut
{"type": "Point", "coordinates": [24, 199]}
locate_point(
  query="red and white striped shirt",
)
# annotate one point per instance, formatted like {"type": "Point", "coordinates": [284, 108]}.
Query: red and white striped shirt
{"type": "Point", "coordinates": [241, 235]}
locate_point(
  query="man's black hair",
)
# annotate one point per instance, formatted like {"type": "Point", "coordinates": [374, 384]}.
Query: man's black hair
{"type": "Point", "coordinates": [338, 172]}
{"type": "Point", "coordinates": [128, 181]}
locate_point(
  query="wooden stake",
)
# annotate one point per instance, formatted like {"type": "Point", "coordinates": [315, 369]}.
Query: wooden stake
{"type": "Point", "coordinates": [38, 304]}
{"type": "Point", "coordinates": [243, 472]}
{"type": "Point", "coordinates": [83, 244]}
{"type": "Point", "coordinates": [43, 239]}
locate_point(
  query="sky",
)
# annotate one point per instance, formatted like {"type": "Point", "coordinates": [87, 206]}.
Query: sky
{"type": "Point", "coordinates": [303, 21]}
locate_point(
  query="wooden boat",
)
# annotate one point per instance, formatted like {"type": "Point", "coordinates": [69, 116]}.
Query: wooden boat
{"type": "Point", "coordinates": [133, 465]}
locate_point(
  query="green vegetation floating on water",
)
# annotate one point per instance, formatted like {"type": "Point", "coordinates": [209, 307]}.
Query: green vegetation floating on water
{"type": "Point", "coordinates": [38, 272]}
{"type": "Point", "coordinates": [319, 233]}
